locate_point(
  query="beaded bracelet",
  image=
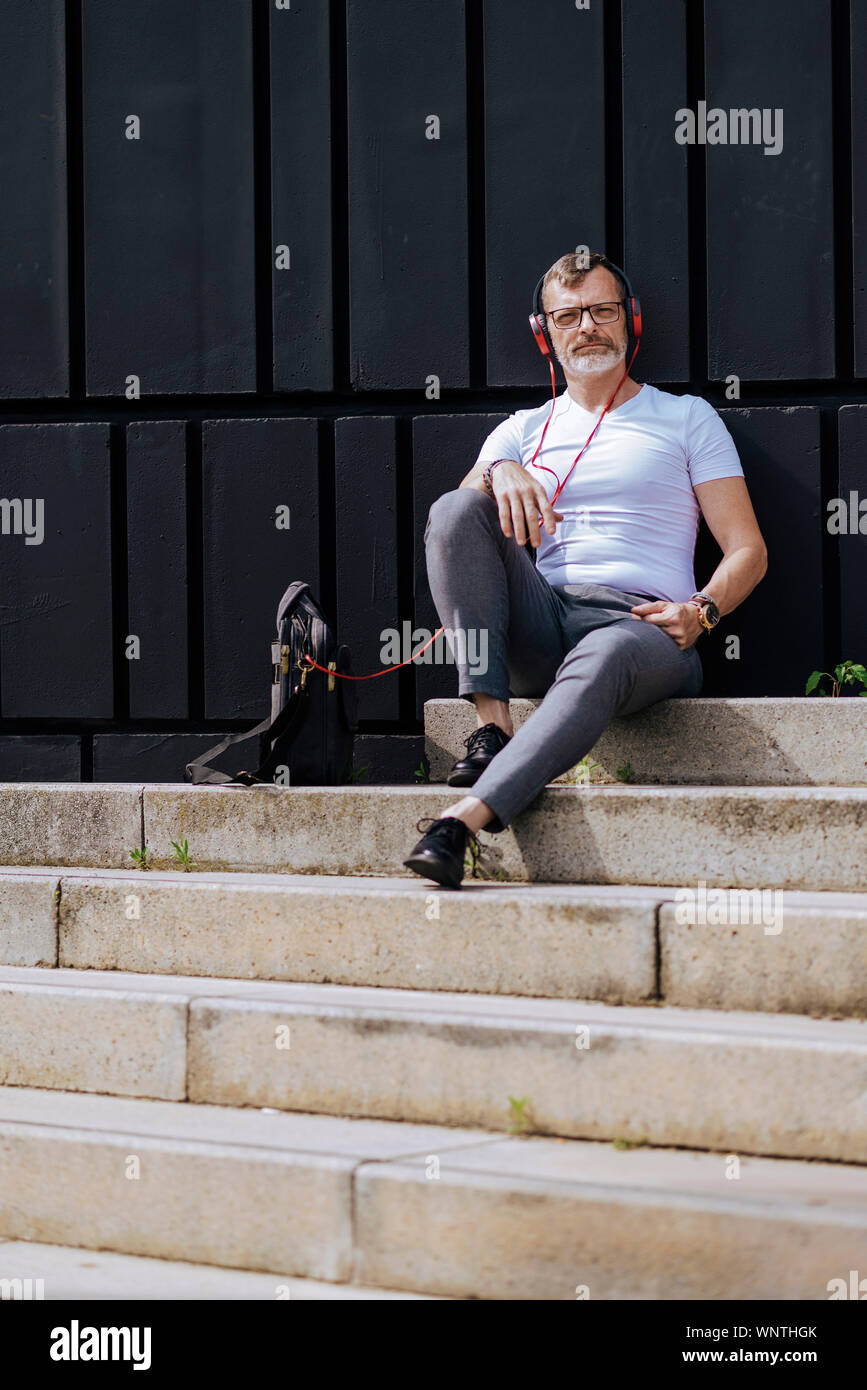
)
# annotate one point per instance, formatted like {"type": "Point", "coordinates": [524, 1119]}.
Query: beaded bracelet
{"type": "Point", "coordinates": [486, 476]}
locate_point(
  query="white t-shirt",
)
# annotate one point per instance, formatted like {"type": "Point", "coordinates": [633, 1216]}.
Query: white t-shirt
{"type": "Point", "coordinates": [631, 516]}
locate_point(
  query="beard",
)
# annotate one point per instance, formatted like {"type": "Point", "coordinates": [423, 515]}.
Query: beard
{"type": "Point", "coordinates": [591, 360]}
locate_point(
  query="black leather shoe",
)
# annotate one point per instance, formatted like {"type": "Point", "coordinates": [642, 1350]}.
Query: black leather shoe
{"type": "Point", "coordinates": [439, 853]}
{"type": "Point", "coordinates": [482, 747]}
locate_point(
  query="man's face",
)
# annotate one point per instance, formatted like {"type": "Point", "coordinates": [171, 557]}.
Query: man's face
{"type": "Point", "coordinates": [586, 347]}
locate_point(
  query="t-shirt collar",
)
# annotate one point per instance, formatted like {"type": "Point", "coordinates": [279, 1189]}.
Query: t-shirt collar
{"type": "Point", "coordinates": [565, 403]}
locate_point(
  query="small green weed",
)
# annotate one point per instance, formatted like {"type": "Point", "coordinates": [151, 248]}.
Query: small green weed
{"type": "Point", "coordinates": [471, 859]}
{"type": "Point", "coordinates": [847, 673]}
{"type": "Point", "coordinates": [519, 1120]}
{"type": "Point", "coordinates": [182, 853]}
{"type": "Point", "coordinates": [581, 775]}
{"type": "Point", "coordinates": [631, 1143]}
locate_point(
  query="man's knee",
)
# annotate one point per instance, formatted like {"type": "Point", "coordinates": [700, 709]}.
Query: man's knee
{"type": "Point", "coordinates": [450, 510]}
{"type": "Point", "coordinates": [604, 657]}
{"type": "Point", "coordinates": [638, 665]}
{"type": "Point", "coordinates": [601, 646]}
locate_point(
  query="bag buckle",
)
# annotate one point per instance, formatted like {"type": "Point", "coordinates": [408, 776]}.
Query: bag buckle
{"type": "Point", "coordinates": [305, 670]}
{"type": "Point", "coordinates": [332, 667]}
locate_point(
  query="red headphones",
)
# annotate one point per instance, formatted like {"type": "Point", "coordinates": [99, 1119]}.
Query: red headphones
{"type": "Point", "coordinates": [546, 347]}
{"type": "Point", "coordinates": [633, 312]}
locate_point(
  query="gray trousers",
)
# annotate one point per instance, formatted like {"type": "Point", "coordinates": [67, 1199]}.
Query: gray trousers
{"type": "Point", "coordinates": [576, 645]}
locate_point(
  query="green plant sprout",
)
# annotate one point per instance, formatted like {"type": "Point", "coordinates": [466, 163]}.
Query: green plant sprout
{"type": "Point", "coordinates": [581, 775]}
{"type": "Point", "coordinates": [358, 774]}
{"type": "Point", "coordinates": [631, 1143]}
{"type": "Point", "coordinates": [519, 1120]}
{"type": "Point", "coordinates": [182, 854]}
{"type": "Point", "coordinates": [471, 859]}
{"type": "Point", "coordinates": [141, 857]}
{"type": "Point", "coordinates": [421, 773]}
{"type": "Point", "coordinates": [625, 773]}
{"type": "Point", "coordinates": [847, 673]}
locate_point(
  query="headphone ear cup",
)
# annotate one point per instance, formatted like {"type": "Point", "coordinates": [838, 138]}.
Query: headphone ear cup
{"type": "Point", "coordinates": [540, 335]}
{"type": "Point", "coordinates": [635, 318]}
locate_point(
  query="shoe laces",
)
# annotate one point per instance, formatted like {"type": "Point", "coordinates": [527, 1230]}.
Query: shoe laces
{"type": "Point", "coordinates": [486, 739]}
{"type": "Point", "coordinates": [446, 828]}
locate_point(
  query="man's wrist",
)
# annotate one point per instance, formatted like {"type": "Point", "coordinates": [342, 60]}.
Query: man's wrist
{"type": "Point", "coordinates": [708, 612]}
{"type": "Point", "coordinates": [486, 474]}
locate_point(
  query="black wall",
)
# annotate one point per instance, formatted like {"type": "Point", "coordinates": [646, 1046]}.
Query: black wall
{"type": "Point", "coordinates": [242, 311]}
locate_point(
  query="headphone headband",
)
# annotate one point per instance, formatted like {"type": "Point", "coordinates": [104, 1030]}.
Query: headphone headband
{"type": "Point", "coordinates": [537, 294]}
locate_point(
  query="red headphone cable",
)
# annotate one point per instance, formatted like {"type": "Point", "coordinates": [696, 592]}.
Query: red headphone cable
{"type": "Point", "coordinates": [542, 467]}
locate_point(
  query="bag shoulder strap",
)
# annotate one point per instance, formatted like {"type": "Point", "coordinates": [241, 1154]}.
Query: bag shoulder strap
{"type": "Point", "coordinates": [198, 772]}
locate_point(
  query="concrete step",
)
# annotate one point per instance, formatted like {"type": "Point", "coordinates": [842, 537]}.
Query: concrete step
{"type": "Point", "coordinates": [744, 742]}
{"type": "Point", "coordinates": [800, 838]}
{"type": "Point", "coordinates": [793, 952]}
{"type": "Point", "coordinates": [30, 1271]}
{"type": "Point", "coordinates": [455, 1212]}
{"type": "Point", "coordinates": [558, 941]}
{"type": "Point", "coordinates": [780, 1085]}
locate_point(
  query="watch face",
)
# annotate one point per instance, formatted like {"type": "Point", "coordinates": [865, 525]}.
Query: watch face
{"type": "Point", "coordinates": [711, 612]}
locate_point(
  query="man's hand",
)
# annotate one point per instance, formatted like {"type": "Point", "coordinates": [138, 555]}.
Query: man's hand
{"type": "Point", "coordinates": [679, 620]}
{"type": "Point", "coordinates": [520, 498]}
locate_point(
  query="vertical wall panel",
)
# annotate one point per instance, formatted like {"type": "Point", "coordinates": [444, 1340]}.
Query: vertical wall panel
{"type": "Point", "coordinates": [55, 594]}
{"type": "Point", "coordinates": [40, 758]}
{"type": "Point", "coordinates": [770, 227]}
{"type": "Point", "coordinates": [444, 449]}
{"type": "Point", "coordinates": [655, 184]}
{"type": "Point", "coordinates": [169, 216]}
{"type": "Point", "coordinates": [780, 623]}
{"type": "Point", "coordinates": [407, 194]}
{"type": "Point", "coordinates": [853, 544]}
{"type": "Point", "coordinates": [157, 568]}
{"type": "Point", "coordinates": [251, 469]}
{"type": "Point", "coordinates": [367, 600]}
{"type": "Point", "coordinates": [544, 163]}
{"type": "Point", "coordinates": [301, 196]}
{"type": "Point", "coordinates": [858, 38]}
{"type": "Point", "coordinates": [160, 757]}
{"type": "Point", "coordinates": [34, 354]}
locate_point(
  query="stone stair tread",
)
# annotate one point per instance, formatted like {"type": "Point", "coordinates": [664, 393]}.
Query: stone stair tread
{"type": "Point", "coordinates": [460, 1212]}
{"type": "Point", "coordinates": [342, 1140]}
{"type": "Point", "coordinates": [803, 837]}
{"type": "Point", "coordinates": [386, 884]}
{"type": "Point", "coordinates": [714, 740]}
{"type": "Point", "coordinates": [389, 885]}
{"type": "Point", "coordinates": [76, 1272]}
{"type": "Point", "coordinates": [625, 944]}
{"type": "Point", "coordinates": [806, 838]}
{"type": "Point", "coordinates": [674, 1175]}
{"type": "Point", "coordinates": [422, 1006]}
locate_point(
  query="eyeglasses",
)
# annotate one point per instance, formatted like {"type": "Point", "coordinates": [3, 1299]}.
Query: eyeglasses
{"type": "Point", "coordinates": [572, 317]}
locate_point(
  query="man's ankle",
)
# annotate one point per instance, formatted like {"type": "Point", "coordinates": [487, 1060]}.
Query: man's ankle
{"type": "Point", "coordinates": [505, 727]}
{"type": "Point", "coordinates": [491, 711]}
{"type": "Point", "coordinates": [474, 813]}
